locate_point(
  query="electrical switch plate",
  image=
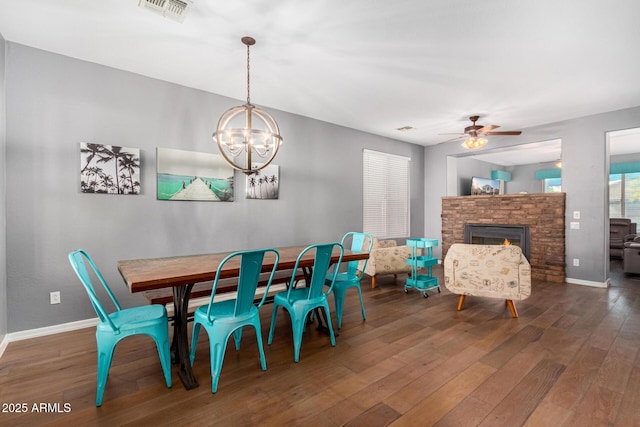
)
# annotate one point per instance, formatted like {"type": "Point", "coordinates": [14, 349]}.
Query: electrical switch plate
{"type": "Point", "coordinates": [54, 297]}
{"type": "Point", "coordinates": [576, 262]}
{"type": "Point", "coordinates": [575, 225]}
{"type": "Point", "coordinates": [576, 214]}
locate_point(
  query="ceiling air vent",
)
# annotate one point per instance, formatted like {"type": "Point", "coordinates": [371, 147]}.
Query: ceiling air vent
{"type": "Point", "coordinates": [172, 9]}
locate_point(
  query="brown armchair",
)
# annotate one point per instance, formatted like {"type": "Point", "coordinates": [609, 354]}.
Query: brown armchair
{"type": "Point", "coordinates": [621, 230]}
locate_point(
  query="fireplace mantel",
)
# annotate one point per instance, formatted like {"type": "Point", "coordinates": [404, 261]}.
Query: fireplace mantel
{"type": "Point", "coordinates": [544, 213]}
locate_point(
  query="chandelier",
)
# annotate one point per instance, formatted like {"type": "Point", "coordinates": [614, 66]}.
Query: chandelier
{"type": "Point", "coordinates": [247, 133]}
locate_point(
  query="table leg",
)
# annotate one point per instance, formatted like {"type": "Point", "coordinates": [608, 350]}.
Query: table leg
{"type": "Point", "coordinates": [320, 314]}
{"type": "Point", "coordinates": [180, 343]}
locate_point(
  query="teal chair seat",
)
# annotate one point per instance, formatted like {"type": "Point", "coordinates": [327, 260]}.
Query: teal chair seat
{"type": "Point", "coordinates": [350, 278]}
{"type": "Point", "coordinates": [131, 319]}
{"type": "Point", "coordinates": [148, 320]}
{"type": "Point", "coordinates": [299, 302]}
{"type": "Point", "coordinates": [225, 318]}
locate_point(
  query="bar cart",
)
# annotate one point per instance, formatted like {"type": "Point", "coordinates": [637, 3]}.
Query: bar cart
{"type": "Point", "coordinates": [421, 264]}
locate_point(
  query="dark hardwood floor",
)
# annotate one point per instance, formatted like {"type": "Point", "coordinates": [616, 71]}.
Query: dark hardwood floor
{"type": "Point", "coordinates": [570, 359]}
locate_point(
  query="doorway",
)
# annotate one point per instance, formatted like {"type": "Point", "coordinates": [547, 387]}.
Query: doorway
{"type": "Point", "coordinates": [623, 193]}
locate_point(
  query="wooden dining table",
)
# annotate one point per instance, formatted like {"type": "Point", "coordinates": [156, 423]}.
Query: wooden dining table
{"type": "Point", "coordinates": [181, 273]}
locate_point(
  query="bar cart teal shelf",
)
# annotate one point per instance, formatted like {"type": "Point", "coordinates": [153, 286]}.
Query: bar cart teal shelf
{"type": "Point", "coordinates": [421, 264]}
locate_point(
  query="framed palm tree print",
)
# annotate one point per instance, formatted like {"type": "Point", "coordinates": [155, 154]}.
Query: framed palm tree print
{"type": "Point", "coordinates": [264, 184]}
{"type": "Point", "coordinates": [109, 169]}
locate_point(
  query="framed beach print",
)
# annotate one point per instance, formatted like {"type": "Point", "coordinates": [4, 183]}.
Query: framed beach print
{"type": "Point", "coordinates": [109, 169]}
{"type": "Point", "coordinates": [189, 175]}
{"type": "Point", "coordinates": [264, 184]}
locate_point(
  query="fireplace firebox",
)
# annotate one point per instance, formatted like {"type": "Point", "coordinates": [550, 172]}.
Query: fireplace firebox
{"type": "Point", "coordinates": [498, 234]}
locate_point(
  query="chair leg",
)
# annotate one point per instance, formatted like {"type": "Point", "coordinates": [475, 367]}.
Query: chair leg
{"type": "Point", "coordinates": [263, 360]}
{"type": "Point", "coordinates": [331, 334]}
{"type": "Point", "coordinates": [237, 337]}
{"type": "Point", "coordinates": [461, 302]}
{"type": "Point", "coordinates": [273, 323]}
{"type": "Point", "coordinates": [105, 354]}
{"type": "Point", "coordinates": [364, 316]}
{"type": "Point", "coordinates": [298, 321]}
{"type": "Point", "coordinates": [194, 341]}
{"type": "Point", "coordinates": [162, 343]}
{"type": "Point", "coordinates": [512, 308]}
{"type": "Point", "coordinates": [217, 349]}
{"type": "Point", "coordinates": [338, 298]}
{"type": "Point", "coordinates": [373, 282]}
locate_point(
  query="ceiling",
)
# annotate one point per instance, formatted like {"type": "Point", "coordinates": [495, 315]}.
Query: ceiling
{"type": "Point", "coordinates": [370, 65]}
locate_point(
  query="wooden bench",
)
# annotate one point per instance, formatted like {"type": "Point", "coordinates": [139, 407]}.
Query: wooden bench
{"type": "Point", "coordinates": [201, 292]}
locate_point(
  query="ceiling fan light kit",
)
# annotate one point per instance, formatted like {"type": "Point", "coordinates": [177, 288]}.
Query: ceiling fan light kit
{"type": "Point", "coordinates": [475, 134]}
{"type": "Point", "coordinates": [474, 143]}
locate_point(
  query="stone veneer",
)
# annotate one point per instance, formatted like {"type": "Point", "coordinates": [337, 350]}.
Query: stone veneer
{"type": "Point", "coordinates": [543, 213]}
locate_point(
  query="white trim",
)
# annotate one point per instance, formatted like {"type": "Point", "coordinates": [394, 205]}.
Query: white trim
{"type": "Point", "coordinates": [51, 330]}
{"type": "Point", "coordinates": [3, 345]}
{"type": "Point", "coordinates": [588, 283]}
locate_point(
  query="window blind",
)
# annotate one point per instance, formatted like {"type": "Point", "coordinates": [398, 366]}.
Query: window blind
{"type": "Point", "coordinates": [385, 194]}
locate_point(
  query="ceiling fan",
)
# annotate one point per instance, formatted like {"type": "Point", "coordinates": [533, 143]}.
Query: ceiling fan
{"type": "Point", "coordinates": [475, 133]}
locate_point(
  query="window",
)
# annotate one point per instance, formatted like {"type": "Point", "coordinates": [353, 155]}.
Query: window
{"type": "Point", "coordinates": [552, 185]}
{"type": "Point", "coordinates": [385, 194]}
{"type": "Point", "coordinates": [624, 196]}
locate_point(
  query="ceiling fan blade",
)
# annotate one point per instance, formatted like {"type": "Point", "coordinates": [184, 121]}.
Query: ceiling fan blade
{"type": "Point", "coordinates": [508, 132]}
{"type": "Point", "coordinates": [453, 139]}
{"type": "Point", "coordinates": [486, 129]}
{"type": "Point", "coordinates": [453, 133]}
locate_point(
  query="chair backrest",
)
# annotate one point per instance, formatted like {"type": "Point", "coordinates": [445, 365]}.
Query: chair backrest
{"type": "Point", "coordinates": [250, 268]}
{"type": "Point", "coordinates": [78, 260]}
{"type": "Point", "coordinates": [357, 243]}
{"type": "Point", "coordinates": [321, 264]}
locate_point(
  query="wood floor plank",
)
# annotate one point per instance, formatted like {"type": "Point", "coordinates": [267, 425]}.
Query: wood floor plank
{"type": "Point", "coordinates": [436, 405]}
{"type": "Point", "coordinates": [520, 403]}
{"type": "Point", "coordinates": [628, 413]}
{"type": "Point", "coordinates": [580, 374]}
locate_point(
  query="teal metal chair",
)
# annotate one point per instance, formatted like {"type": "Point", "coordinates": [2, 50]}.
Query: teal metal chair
{"type": "Point", "coordinates": [221, 319]}
{"type": "Point", "coordinates": [148, 320]}
{"type": "Point", "coordinates": [299, 302]}
{"type": "Point", "coordinates": [353, 274]}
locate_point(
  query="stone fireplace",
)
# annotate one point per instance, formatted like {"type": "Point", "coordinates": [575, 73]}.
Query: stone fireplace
{"type": "Point", "coordinates": [543, 215]}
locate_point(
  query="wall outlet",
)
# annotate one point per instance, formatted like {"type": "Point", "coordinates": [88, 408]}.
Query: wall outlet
{"type": "Point", "coordinates": [576, 262]}
{"type": "Point", "coordinates": [54, 297]}
{"type": "Point", "coordinates": [576, 214]}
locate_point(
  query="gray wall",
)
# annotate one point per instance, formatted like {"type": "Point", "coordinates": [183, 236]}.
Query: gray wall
{"type": "Point", "coordinates": [55, 102]}
{"type": "Point", "coordinates": [3, 168]}
{"type": "Point", "coordinates": [467, 168]}
{"type": "Point", "coordinates": [523, 178]}
{"type": "Point", "coordinates": [585, 167]}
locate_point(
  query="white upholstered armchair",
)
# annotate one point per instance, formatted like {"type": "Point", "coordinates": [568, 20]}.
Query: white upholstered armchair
{"type": "Point", "coordinates": [495, 271]}
{"type": "Point", "coordinates": [387, 257]}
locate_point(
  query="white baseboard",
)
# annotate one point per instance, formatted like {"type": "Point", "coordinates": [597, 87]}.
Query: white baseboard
{"type": "Point", "coordinates": [587, 283]}
{"type": "Point", "coordinates": [47, 330]}
{"type": "Point", "coordinates": [3, 345]}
